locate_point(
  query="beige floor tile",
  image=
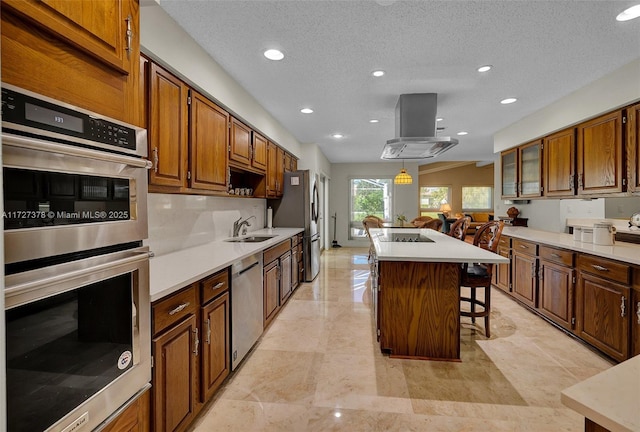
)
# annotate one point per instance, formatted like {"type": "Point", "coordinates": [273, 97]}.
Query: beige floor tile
{"type": "Point", "coordinates": [318, 367]}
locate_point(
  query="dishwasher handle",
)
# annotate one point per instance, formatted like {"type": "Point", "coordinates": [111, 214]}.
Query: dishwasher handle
{"type": "Point", "coordinates": [246, 269]}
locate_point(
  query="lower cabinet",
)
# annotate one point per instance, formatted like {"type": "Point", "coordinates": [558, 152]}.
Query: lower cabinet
{"type": "Point", "coordinates": [635, 321]}
{"type": "Point", "coordinates": [524, 268]}
{"type": "Point", "coordinates": [285, 277]}
{"type": "Point", "coordinates": [502, 272]}
{"type": "Point", "coordinates": [278, 278]}
{"type": "Point", "coordinates": [191, 351]}
{"type": "Point", "coordinates": [134, 418]}
{"type": "Point", "coordinates": [556, 284]}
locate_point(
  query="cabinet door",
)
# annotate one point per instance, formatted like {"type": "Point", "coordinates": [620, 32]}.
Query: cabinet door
{"type": "Point", "coordinates": [502, 273]}
{"type": "Point", "coordinates": [556, 285]}
{"type": "Point", "coordinates": [635, 320]}
{"type": "Point", "coordinates": [559, 162]}
{"type": "Point", "coordinates": [239, 142]}
{"type": "Point", "coordinates": [530, 169]}
{"type": "Point", "coordinates": [287, 162]}
{"type": "Point", "coordinates": [168, 128]}
{"type": "Point", "coordinates": [259, 159]}
{"type": "Point", "coordinates": [285, 279]}
{"type": "Point", "coordinates": [509, 165]}
{"type": "Point", "coordinates": [174, 376]}
{"type": "Point", "coordinates": [523, 278]}
{"type": "Point", "coordinates": [633, 147]}
{"type": "Point", "coordinates": [272, 174]}
{"type": "Point", "coordinates": [216, 346]}
{"type": "Point", "coordinates": [279, 171]}
{"type": "Point", "coordinates": [209, 144]}
{"type": "Point", "coordinates": [295, 275]}
{"type": "Point", "coordinates": [271, 290]}
{"type": "Point", "coordinates": [600, 150]}
{"type": "Point", "coordinates": [603, 315]}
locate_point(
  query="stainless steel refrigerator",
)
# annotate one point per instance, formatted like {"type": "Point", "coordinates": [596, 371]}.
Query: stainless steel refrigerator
{"type": "Point", "coordinates": [298, 208]}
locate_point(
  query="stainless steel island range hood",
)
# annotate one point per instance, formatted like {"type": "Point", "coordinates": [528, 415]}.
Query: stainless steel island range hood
{"type": "Point", "coordinates": [416, 129]}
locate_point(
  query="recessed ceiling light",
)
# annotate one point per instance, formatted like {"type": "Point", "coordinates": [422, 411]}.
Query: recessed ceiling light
{"type": "Point", "coordinates": [484, 68]}
{"type": "Point", "coordinates": [377, 73]}
{"type": "Point", "coordinates": [273, 54]}
{"type": "Point", "coordinates": [306, 110]}
{"type": "Point", "coordinates": [374, 121]}
{"type": "Point", "coordinates": [439, 119]}
{"type": "Point", "coordinates": [337, 135]}
{"type": "Point", "coordinates": [508, 101]}
{"type": "Point", "coordinates": [629, 14]}
{"type": "Point", "coordinates": [463, 133]}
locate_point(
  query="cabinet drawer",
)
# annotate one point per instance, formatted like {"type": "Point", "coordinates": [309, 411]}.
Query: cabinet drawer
{"type": "Point", "coordinates": [604, 268]}
{"type": "Point", "coordinates": [274, 252]}
{"type": "Point", "coordinates": [171, 310]}
{"type": "Point", "coordinates": [559, 256]}
{"type": "Point", "coordinates": [214, 285]}
{"type": "Point", "coordinates": [524, 246]}
{"type": "Point", "coordinates": [504, 241]}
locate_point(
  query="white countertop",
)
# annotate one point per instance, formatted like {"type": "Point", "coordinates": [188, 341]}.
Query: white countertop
{"type": "Point", "coordinates": [610, 398]}
{"type": "Point", "coordinates": [172, 271]}
{"type": "Point", "coordinates": [442, 249]}
{"type": "Point", "coordinates": [621, 251]}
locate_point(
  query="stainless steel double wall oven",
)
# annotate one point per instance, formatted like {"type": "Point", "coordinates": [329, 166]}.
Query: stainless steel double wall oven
{"type": "Point", "coordinates": [76, 274]}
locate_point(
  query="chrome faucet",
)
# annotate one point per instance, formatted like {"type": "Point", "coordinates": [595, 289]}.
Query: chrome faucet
{"type": "Point", "coordinates": [237, 225]}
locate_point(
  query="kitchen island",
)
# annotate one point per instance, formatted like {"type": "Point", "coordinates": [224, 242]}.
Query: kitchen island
{"type": "Point", "coordinates": [416, 291]}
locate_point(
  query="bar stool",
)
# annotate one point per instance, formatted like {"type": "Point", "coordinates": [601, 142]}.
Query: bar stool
{"type": "Point", "coordinates": [459, 228]}
{"type": "Point", "coordinates": [478, 275]}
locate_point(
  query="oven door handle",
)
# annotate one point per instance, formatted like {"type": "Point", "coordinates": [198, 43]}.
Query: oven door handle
{"type": "Point", "coordinates": [52, 147]}
{"type": "Point", "coordinates": [65, 277]}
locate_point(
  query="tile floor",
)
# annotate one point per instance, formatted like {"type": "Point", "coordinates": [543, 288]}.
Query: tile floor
{"type": "Point", "coordinates": [318, 368]}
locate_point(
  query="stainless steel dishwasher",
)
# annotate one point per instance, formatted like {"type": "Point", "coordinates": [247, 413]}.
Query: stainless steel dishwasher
{"type": "Point", "coordinates": [246, 306]}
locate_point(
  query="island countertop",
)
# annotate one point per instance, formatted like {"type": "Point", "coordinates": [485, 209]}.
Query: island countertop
{"type": "Point", "coordinates": [438, 247]}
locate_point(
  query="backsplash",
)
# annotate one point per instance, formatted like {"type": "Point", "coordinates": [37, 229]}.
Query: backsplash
{"type": "Point", "coordinates": [179, 222]}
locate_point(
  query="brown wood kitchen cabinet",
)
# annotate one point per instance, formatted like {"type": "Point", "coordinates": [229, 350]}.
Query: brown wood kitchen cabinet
{"type": "Point", "coordinates": [277, 278]}
{"type": "Point", "coordinates": [134, 418]}
{"type": "Point", "coordinates": [188, 137]}
{"type": "Point", "coordinates": [635, 314]}
{"type": "Point", "coordinates": [259, 152]}
{"type": "Point", "coordinates": [559, 164]}
{"type": "Point", "coordinates": [275, 171]}
{"type": "Point", "coordinates": [502, 272]}
{"type": "Point", "coordinates": [524, 268]}
{"type": "Point", "coordinates": [603, 304]}
{"type": "Point", "coordinates": [297, 262]}
{"type": "Point", "coordinates": [247, 149]}
{"type": "Point", "coordinates": [556, 283]}
{"type": "Point", "coordinates": [175, 349]}
{"type": "Point", "coordinates": [522, 171]}
{"type": "Point", "coordinates": [600, 155]}
{"type": "Point", "coordinates": [633, 147]}
{"type": "Point", "coordinates": [50, 46]}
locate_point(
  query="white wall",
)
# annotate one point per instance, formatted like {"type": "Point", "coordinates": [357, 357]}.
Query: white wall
{"type": "Point", "coordinates": [165, 41]}
{"type": "Point", "coordinates": [405, 197]}
{"type": "Point", "coordinates": [620, 88]}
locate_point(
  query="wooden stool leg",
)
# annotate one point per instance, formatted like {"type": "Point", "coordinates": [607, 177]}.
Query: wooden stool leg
{"type": "Point", "coordinates": [472, 304]}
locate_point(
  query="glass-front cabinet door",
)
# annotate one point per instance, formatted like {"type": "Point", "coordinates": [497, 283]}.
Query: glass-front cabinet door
{"type": "Point", "coordinates": [530, 169]}
{"type": "Point", "coordinates": [510, 173]}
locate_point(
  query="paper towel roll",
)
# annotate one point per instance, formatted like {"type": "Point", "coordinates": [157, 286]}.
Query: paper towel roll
{"type": "Point", "coordinates": [269, 217]}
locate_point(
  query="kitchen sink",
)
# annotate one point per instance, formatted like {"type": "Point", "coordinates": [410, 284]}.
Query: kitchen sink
{"type": "Point", "coordinates": [251, 239]}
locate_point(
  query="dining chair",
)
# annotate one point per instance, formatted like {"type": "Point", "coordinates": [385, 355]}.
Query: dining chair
{"type": "Point", "coordinates": [478, 275]}
{"type": "Point", "coordinates": [369, 222]}
{"type": "Point", "coordinates": [434, 224]}
{"type": "Point", "coordinates": [459, 228]}
{"type": "Point", "coordinates": [420, 220]}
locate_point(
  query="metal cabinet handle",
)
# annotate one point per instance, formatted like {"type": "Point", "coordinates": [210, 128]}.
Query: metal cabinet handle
{"type": "Point", "coordinates": [599, 268]}
{"type": "Point", "coordinates": [156, 160]}
{"type": "Point", "coordinates": [638, 311]}
{"type": "Point", "coordinates": [571, 181]}
{"type": "Point", "coordinates": [622, 306]}
{"type": "Point", "coordinates": [524, 247]}
{"type": "Point", "coordinates": [555, 255]}
{"type": "Point", "coordinates": [541, 273]}
{"type": "Point", "coordinates": [208, 331]}
{"type": "Point", "coordinates": [179, 308]}
{"type": "Point", "coordinates": [129, 36]}
{"type": "Point", "coordinates": [533, 270]}
{"type": "Point", "coordinates": [196, 341]}
{"type": "Point", "coordinates": [580, 180]}
{"type": "Point", "coordinates": [218, 285]}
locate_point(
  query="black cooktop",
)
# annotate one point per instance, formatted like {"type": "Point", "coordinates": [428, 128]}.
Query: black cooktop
{"type": "Point", "coordinates": [405, 238]}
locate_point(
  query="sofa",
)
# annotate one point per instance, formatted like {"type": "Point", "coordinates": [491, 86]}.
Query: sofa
{"type": "Point", "coordinates": [478, 219]}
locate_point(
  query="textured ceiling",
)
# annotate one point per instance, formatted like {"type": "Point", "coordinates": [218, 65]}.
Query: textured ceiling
{"type": "Point", "coordinates": [540, 51]}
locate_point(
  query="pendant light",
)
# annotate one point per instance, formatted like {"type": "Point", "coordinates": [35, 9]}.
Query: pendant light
{"type": "Point", "coordinates": [403, 177]}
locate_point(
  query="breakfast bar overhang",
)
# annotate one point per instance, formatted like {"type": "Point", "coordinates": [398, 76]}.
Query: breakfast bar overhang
{"type": "Point", "coordinates": [416, 291]}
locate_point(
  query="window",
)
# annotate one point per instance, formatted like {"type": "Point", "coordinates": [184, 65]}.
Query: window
{"type": "Point", "coordinates": [477, 198]}
{"type": "Point", "coordinates": [369, 196]}
{"type": "Point", "coordinates": [431, 198]}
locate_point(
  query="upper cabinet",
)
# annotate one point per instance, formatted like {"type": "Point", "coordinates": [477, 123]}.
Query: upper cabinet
{"type": "Point", "coordinates": [600, 155]}
{"type": "Point", "coordinates": [633, 147]}
{"type": "Point", "coordinates": [247, 148]}
{"type": "Point", "coordinates": [188, 137]}
{"type": "Point", "coordinates": [559, 164]}
{"type": "Point", "coordinates": [522, 171]}
{"type": "Point", "coordinates": [259, 152]}
{"type": "Point", "coordinates": [57, 49]}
